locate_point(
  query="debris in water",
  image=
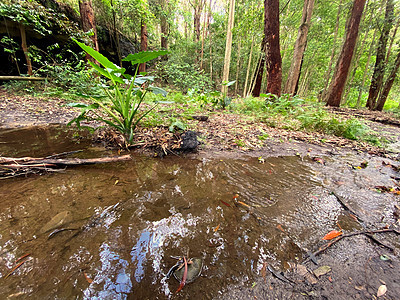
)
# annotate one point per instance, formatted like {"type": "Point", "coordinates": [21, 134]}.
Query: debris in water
{"type": "Point", "coordinates": [216, 228]}
{"type": "Point", "coordinates": [88, 279]}
{"type": "Point", "coordinates": [278, 275]}
{"type": "Point", "coordinates": [183, 281]}
{"type": "Point", "coordinates": [323, 270]}
{"type": "Point", "coordinates": [57, 221]}
{"type": "Point", "coordinates": [381, 290]}
{"type": "Point", "coordinates": [332, 234]}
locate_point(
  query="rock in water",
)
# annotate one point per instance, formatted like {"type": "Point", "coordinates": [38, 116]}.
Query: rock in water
{"type": "Point", "coordinates": [58, 220]}
{"type": "Point", "coordinates": [189, 141]}
{"type": "Point", "coordinates": [194, 270]}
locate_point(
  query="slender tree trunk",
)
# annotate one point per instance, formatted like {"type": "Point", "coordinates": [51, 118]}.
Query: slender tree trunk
{"type": "Point", "coordinates": [392, 40]}
{"type": "Point", "coordinates": [248, 68]}
{"type": "Point", "coordinates": [238, 60]}
{"type": "Point", "coordinates": [197, 7]}
{"type": "Point", "coordinates": [342, 67]}
{"type": "Point", "coordinates": [271, 32]}
{"type": "Point", "coordinates": [335, 34]}
{"type": "Point", "coordinates": [143, 43]}
{"type": "Point", "coordinates": [25, 49]}
{"type": "Point", "coordinates": [379, 70]}
{"type": "Point", "coordinates": [299, 48]}
{"type": "Point", "coordinates": [164, 28]}
{"type": "Point", "coordinates": [202, 42]}
{"type": "Point", "coordinates": [388, 84]}
{"type": "Point", "coordinates": [260, 70]}
{"type": "Point", "coordinates": [228, 47]}
{"type": "Point", "coordinates": [88, 23]}
{"type": "Point", "coordinates": [366, 69]}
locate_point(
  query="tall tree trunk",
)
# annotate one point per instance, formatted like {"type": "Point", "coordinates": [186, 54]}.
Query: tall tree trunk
{"type": "Point", "coordinates": [25, 49]}
{"type": "Point", "coordinates": [88, 23]}
{"type": "Point", "coordinates": [202, 42]}
{"type": "Point", "coordinates": [392, 40]}
{"type": "Point", "coordinates": [248, 68]}
{"type": "Point", "coordinates": [238, 60]}
{"type": "Point", "coordinates": [228, 47]}
{"type": "Point", "coordinates": [260, 70]}
{"type": "Point", "coordinates": [164, 26]}
{"type": "Point", "coordinates": [379, 70]}
{"type": "Point", "coordinates": [273, 53]}
{"type": "Point", "coordinates": [335, 34]}
{"type": "Point", "coordinates": [336, 87]}
{"type": "Point", "coordinates": [299, 48]}
{"type": "Point", "coordinates": [143, 43]}
{"type": "Point", "coordinates": [388, 84]}
{"type": "Point", "coordinates": [197, 7]}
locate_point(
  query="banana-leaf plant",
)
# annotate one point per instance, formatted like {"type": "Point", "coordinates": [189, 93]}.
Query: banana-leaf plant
{"type": "Point", "coordinates": [123, 94]}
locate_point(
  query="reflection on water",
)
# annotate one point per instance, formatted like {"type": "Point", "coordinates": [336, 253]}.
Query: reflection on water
{"type": "Point", "coordinates": [130, 218]}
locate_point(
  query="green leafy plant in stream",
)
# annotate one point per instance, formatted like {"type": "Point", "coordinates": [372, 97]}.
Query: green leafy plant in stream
{"type": "Point", "coordinates": [124, 95]}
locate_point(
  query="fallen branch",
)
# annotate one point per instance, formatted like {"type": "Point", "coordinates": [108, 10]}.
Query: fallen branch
{"type": "Point", "coordinates": [347, 207]}
{"type": "Point", "coordinates": [367, 233]}
{"type": "Point", "coordinates": [12, 167]}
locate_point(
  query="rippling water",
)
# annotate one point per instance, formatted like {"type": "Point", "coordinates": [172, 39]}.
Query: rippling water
{"type": "Point", "coordinates": [129, 218]}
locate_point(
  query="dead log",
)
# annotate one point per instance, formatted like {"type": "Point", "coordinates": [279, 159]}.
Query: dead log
{"type": "Point", "coordinates": [13, 167]}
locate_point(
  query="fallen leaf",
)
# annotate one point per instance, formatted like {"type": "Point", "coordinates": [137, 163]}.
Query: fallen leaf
{"type": "Point", "coordinates": [225, 203]}
{"type": "Point", "coordinates": [330, 279]}
{"type": "Point", "coordinates": [244, 204]}
{"type": "Point", "coordinates": [384, 257]}
{"type": "Point", "coordinates": [332, 234]}
{"type": "Point", "coordinates": [322, 271]}
{"type": "Point", "coordinates": [359, 287]}
{"type": "Point", "coordinates": [216, 228]}
{"type": "Point", "coordinates": [116, 182]}
{"type": "Point", "coordinates": [302, 271]}
{"type": "Point", "coordinates": [279, 226]}
{"type": "Point", "coordinates": [381, 290]}
{"type": "Point", "coordinates": [88, 279]}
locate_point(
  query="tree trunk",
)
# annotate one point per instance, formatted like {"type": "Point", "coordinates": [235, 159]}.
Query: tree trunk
{"type": "Point", "coordinates": [379, 69]}
{"type": "Point", "coordinates": [392, 40]}
{"type": "Point", "coordinates": [238, 60]}
{"type": "Point", "coordinates": [335, 34]}
{"type": "Point", "coordinates": [25, 49]}
{"type": "Point", "coordinates": [248, 68]}
{"type": "Point", "coordinates": [366, 70]}
{"type": "Point", "coordinates": [260, 70]}
{"type": "Point", "coordinates": [88, 23]}
{"type": "Point", "coordinates": [143, 43]}
{"type": "Point", "coordinates": [228, 47]}
{"type": "Point", "coordinates": [273, 54]}
{"type": "Point", "coordinates": [197, 7]}
{"type": "Point", "coordinates": [202, 42]}
{"type": "Point", "coordinates": [164, 26]}
{"type": "Point", "coordinates": [388, 85]}
{"type": "Point", "coordinates": [336, 87]}
{"type": "Point", "coordinates": [299, 48]}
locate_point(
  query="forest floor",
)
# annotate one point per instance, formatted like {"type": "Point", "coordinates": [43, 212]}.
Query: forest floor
{"type": "Point", "coordinates": [358, 267]}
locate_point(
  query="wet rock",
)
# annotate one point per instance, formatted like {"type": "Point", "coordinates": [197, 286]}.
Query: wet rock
{"type": "Point", "coordinates": [58, 220]}
{"type": "Point", "coordinates": [189, 141]}
{"type": "Point", "coordinates": [194, 270]}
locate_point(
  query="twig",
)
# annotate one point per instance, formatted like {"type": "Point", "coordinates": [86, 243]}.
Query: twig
{"type": "Point", "coordinates": [347, 207]}
{"type": "Point", "coordinates": [366, 232]}
{"type": "Point", "coordinates": [13, 269]}
{"type": "Point", "coordinates": [374, 239]}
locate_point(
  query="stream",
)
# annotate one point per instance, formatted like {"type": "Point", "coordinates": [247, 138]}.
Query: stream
{"type": "Point", "coordinates": [123, 222]}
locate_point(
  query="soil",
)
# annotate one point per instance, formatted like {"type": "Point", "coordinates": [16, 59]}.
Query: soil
{"type": "Point", "coordinates": [359, 266]}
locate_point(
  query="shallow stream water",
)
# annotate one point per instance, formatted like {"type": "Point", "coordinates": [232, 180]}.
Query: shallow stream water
{"type": "Point", "coordinates": [125, 220]}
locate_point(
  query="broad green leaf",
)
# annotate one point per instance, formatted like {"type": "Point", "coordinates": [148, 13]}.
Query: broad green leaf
{"type": "Point", "coordinates": [231, 83]}
{"type": "Point", "coordinates": [157, 90]}
{"type": "Point", "coordinates": [142, 57]}
{"type": "Point", "coordinates": [143, 79]}
{"type": "Point", "coordinates": [97, 56]}
{"type": "Point", "coordinates": [106, 74]}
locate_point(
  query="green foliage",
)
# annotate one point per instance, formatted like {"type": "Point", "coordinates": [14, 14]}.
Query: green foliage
{"type": "Point", "coordinates": [184, 76]}
{"type": "Point", "coordinates": [124, 96]}
{"type": "Point", "coordinates": [30, 13]}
